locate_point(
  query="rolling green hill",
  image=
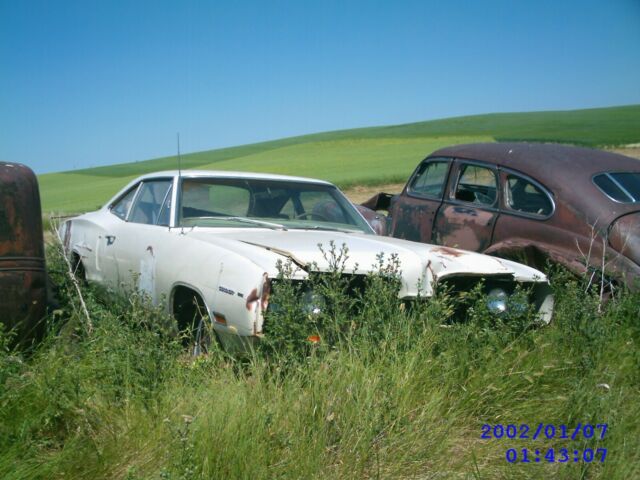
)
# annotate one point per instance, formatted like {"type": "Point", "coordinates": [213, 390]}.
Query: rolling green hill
{"type": "Point", "coordinates": [356, 156]}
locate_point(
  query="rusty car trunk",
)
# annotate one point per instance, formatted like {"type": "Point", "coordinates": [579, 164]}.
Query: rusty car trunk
{"type": "Point", "coordinates": [23, 281]}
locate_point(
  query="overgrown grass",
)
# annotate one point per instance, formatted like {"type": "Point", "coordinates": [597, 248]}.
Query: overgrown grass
{"type": "Point", "coordinates": [390, 391]}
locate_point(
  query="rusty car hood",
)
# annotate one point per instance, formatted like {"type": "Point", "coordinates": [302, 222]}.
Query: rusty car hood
{"type": "Point", "coordinates": [421, 264]}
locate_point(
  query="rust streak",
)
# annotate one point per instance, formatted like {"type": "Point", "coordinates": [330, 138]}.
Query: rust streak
{"type": "Point", "coordinates": [449, 252]}
{"type": "Point", "coordinates": [266, 292]}
{"type": "Point", "coordinates": [252, 298]}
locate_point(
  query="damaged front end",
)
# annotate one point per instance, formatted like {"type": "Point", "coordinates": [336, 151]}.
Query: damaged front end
{"type": "Point", "coordinates": [302, 293]}
{"type": "Point", "coordinates": [503, 297]}
{"type": "Point", "coordinates": [329, 300]}
{"type": "Point", "coordinates": [507, 287]}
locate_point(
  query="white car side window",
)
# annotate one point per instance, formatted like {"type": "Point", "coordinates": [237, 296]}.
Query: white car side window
{"type": "Point", "coordinates": [121, 207]}
{"type": "Point", "coordinates": [165, 211]}
{"type": "Point", "coordinates": [149, 202]}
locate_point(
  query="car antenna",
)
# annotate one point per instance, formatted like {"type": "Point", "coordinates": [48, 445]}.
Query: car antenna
{"type": "Point", "coordinates": [179, 157]}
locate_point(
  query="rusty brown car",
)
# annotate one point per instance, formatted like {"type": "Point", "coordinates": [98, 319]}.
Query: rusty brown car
{"type": "Point", "coordinates": [578, 207]}
{"type": "Point", "coordinates": [23, 279]}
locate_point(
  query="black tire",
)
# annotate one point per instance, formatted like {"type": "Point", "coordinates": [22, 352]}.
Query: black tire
{"type": "Point", "coordinates": [193, 320]}
{"type": "Point", "coordinates": [203, 337]}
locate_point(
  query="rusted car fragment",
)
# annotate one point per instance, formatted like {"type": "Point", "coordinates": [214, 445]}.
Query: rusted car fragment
{"type": "Point", "coordinates": [578, 207]}
{"type": "Point", "coordinates": [377, 221]}
{"type": "Point", "coordinates": [23, 280]}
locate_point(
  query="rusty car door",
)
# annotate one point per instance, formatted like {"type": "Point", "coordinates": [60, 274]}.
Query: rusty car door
{"type": "Point", "coordinates": [414, 211]}
{"type": "Point", "coordinates": [527, 222]}
{"type": "Point", "coordinates": [470, 207]}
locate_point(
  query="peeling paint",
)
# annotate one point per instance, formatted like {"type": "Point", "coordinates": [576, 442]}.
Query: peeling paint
{"type": "Point", "coordinates": [251, 299]}
{"type": "Point", "coordinates": [450, 252]}
{"type": "Point", "coordinates": [262, 297]}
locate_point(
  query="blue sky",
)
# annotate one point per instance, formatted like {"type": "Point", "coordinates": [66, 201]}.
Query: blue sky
{"type": "Point", "coordinates": [97, 82]}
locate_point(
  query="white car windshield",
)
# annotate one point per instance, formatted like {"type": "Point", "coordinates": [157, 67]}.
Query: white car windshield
{"type": "Point", "coordinates": [278, 204]}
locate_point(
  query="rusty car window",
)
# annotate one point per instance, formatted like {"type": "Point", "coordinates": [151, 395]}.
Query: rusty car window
{"type": "Point", "coordinates": [148, 203]}
{"type": "Point", "coordinates": [623, 187]}
{"type": "Point", "coordinates": [524, 196]}
{"type": "Point", "coordinates": [430, 179]}
{"type": "Point", "coordinates": [121, 207]}
{"type": "Point", "coordinates": [477, 185]}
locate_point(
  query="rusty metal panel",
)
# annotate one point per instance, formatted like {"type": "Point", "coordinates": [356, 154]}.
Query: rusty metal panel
{"type": "Point", "coordinates": [464, 226]}
{"type": "Point", "coordinates": [624, 236]}
{"type": "Point", "coordinates": [378, 222]}
{"type": "Point", "coordinates": [412, 218]}
{"type": "Point", "coordinates": [23, 292]}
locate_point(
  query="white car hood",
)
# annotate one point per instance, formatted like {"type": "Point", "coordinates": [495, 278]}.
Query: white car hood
{"type": "Point", "coordinates": [420, 264]}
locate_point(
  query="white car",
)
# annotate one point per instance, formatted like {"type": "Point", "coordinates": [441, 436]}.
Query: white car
{"type": "Point", "coordinates": [208, 243]}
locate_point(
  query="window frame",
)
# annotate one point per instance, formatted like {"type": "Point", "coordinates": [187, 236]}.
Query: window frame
{"type": "Point", "coordinates": [361, 225]}
{"type": "Point", "coordinates": [504, 207]}
{"type": "Point", "coordinates": [460, 164]}
{"type": "Point", "coordinates": [112, 205]}
{"type": "Point", "coordinates": [164, 201]}
{"type": "Point", "coordinates": [138, 193]}
{"type": "Point", "coordinates": [412, 193]}
{"type": "Point", "coordinates": [617, 183]}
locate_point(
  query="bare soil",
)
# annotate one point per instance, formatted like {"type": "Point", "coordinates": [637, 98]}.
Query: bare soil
{"type": "Point", "coordinates": [628, 151]}
{"type": "Point", "coordinates": [363, 192]}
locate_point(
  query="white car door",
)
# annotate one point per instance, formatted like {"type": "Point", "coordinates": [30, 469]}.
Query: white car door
{"type": "Point", "coordinates": [112, 222]}
{"type": "Point", "coordinates": [134, 243]}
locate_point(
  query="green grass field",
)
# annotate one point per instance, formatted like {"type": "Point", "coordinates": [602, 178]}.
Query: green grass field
{"type": "Point", "coordinates": [373, 155]}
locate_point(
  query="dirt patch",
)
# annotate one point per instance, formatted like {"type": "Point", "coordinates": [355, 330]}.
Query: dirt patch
{"type": "Point", "coordinates": [628, 151]}
{"type": "Point", "coordinates": [361, 193]}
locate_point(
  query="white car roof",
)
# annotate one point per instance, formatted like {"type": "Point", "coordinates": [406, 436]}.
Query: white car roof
{"type": "Point", "coordinates": [228, 174]}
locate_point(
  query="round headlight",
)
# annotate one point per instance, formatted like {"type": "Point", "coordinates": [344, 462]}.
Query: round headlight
{"type": "Point", "coordinates": [497, 301]}
{"type": "Point", "coordinates": [312, 303]}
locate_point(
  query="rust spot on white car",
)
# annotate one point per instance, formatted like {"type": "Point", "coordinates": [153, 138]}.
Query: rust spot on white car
{"type": "Point", "coordinates": [448, 252]}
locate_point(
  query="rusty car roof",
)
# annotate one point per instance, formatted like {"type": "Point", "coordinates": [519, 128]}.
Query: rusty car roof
{"type": "Point", "coordinates": [535, 159]}
{"type": "Point", "coordinates": [566, 170]}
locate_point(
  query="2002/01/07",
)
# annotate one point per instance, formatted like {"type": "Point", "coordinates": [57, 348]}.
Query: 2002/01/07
{"type": "Point", "coordinates": [547, 431]}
